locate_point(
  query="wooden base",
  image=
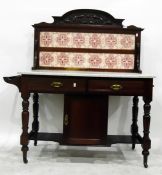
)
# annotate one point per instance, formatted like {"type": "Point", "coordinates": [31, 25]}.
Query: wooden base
{"type": "Point", "coordinates": [111, 139]}
{"type": "Point", "coordinates": [83, 128]}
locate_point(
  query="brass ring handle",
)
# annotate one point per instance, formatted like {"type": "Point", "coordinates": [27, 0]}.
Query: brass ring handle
{"type": "Point", "coordinates": [116, 87]}
{"type": "Point", "coordinates": [56, 84]}
{"type": "Point", "coordinates": [66, 120]}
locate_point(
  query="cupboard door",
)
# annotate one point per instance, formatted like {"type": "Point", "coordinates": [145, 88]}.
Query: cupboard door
{"type": "Point", "coordinates": [85, 119]}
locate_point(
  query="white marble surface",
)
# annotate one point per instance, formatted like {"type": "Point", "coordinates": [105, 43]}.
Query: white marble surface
{"type": "Point", "coordinates": [86, 74]}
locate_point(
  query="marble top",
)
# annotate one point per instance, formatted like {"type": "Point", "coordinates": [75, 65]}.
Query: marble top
{"type": "Point", "coordinates": [86, 74]}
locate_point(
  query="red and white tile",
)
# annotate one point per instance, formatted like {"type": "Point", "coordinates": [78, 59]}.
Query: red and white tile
{"type": "Point", "coordinates": [86, 60]}
{"type": "Point", "coordinates": [87, 40]}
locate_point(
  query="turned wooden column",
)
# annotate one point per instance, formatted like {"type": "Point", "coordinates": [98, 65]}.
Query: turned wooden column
{"type": "Point", "coordinates": [146, 126]}
{"type": "Point", "coordinates": [134, 126]}
{"type": "Point", "coordinates": [35, 124]}
{"type": "Point", "coordinates": [24, 139]}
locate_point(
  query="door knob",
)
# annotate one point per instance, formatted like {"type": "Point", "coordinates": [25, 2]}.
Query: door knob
{"type": "Point", "coordinates": [66, 120]}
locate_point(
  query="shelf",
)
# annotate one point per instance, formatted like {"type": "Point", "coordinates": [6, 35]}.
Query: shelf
{"type": "Point", "coordinates": [111, 139]}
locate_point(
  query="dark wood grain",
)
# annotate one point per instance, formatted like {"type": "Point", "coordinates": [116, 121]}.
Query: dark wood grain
{"type": "Point", "coordinates": [134, 126]}
{"type": "Point", "coordinates": [146, 125]}
{"type": "Point", "coordinates": [35, 124]}
{"type": "Point", "coordinates": [87, 21]}
{"type": "Point", "coordinates": [90, 125]}
{"type": "Point", "coordinates": [86, 95]}
{"type": "Point", "coordinates": [24, 140]}
{"type": "Point", "coordinates": [86, 98]}
{"type": "Point", "coordinates": [110, 139]}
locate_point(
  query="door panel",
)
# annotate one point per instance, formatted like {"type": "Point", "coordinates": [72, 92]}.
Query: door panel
{"type": "Point", "coordinates": [85, 119]}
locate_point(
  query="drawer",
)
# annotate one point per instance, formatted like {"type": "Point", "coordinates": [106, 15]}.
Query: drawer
{"type": "Point", "coordinates": [117, 86]}
{"type": "Point", "coordinates": [55, 84]}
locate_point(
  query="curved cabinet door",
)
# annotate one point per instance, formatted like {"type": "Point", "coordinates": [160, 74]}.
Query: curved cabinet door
{"type": "Point", "coordinates": [85, 119]}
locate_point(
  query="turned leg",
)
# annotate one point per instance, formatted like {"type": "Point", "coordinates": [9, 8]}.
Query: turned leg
{"type": "Point", "coordinates": [134, 126]}
{"type": "Point", "coordinates": [35, 124]}
{"type": "Point", "coordinates": [24, 139]}
{"type": "Point", "coordinates": [146, 125]}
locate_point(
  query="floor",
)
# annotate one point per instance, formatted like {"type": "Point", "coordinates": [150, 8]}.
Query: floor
{"type": "Point", "coordinates": [52, 159]}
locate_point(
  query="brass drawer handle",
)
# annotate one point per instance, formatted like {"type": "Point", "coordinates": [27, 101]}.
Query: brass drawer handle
{"type": "Point", "coordinates": [116, 87]}
{"type": "Point", "coordinates": [56, 84]}
{"type": "Point", "coordinates": [66, 120]}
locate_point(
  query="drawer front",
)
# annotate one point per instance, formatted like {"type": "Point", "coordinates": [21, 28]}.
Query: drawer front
{"type": "Point", "coordinates": [117, 86]}
{"type": "Point", "coordinates": [55, 85]}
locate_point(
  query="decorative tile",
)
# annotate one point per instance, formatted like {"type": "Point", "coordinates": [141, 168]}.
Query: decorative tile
{"type": "Point", "coordinates": [86, 60]}
{"type": "Point", "coordinates": [87, 40]}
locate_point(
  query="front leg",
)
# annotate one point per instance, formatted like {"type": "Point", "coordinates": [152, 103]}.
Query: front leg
{"type": "Point", "coordinates": [24, 139]}
{"type": "Point", "coordinates": [134, 126]}
{"type": "Point", "coordinates": [146, 125]}
{"type": "Point", "coordinates": [35, 124]}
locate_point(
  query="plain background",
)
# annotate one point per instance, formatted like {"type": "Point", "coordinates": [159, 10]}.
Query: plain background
{"type": "Point", "coordinates": [16, 55]}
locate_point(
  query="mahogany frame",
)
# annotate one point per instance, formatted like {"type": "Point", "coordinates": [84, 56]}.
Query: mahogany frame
{"type": "Point", "coordinates": [92, 21]}
{"type": "Point", "coordinates": [85, 21]}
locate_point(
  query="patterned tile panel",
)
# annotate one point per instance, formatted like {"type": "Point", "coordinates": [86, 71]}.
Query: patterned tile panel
{"type": "Point", "coordinates": [86, 60]}
{"type": "Point", "coordinates": [87, 40]}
